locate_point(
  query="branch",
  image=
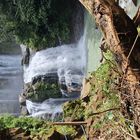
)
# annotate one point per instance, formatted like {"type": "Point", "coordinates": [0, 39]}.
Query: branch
{"type": "Point", "coordinates": [69, 123]}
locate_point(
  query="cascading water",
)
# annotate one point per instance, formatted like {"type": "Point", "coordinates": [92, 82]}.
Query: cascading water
{"type": "Point", "coordinates": [69, 62]}
{"type": "Point", "coordinates": [64, 60]}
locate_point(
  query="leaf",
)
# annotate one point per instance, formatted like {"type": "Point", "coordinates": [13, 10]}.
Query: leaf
{"type": "Point", "coordinates": [110, 116]}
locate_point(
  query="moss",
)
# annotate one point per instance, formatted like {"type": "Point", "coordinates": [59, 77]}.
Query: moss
{"type": "Point", "coordinates": [138, 30]}
{"type": "Point", "coordinates": [103, 95]}
{"type": "Point", "coordinates": [74, 110]}
{"type": "Point", "coordinates": [42, 91]}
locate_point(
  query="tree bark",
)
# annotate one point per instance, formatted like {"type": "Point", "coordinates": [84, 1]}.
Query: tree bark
{"type": "Point", "coordinates": [122, 38]}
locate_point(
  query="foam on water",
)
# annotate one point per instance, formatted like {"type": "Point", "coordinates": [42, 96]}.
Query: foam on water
{"type": "Point", "coordinates": [49, 109]}
{"type": "Point", "coordinates": [68, 61]}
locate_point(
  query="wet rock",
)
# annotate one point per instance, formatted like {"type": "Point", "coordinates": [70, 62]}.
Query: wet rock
{"type": "Point", "coordinates": [77, 22]}
{"type": "Point", "coordinates": [50, 78]}
{"type": "Point", "coordinates": [42, 91]}
{"type": "Point", "coordinates": [26, 57]}
{"type": "Point", "coordinates": [36, 79]}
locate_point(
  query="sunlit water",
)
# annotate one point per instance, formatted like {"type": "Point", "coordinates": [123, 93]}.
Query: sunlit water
{"type": "Point", "coordinates": [10, 83]}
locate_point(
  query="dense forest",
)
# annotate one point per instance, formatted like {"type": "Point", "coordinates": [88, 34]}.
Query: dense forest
{"type": "Point", "coordinates": [36, 24]}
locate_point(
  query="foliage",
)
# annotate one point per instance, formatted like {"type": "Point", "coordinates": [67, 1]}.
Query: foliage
{"type": "Point", "coordinates": [42, 91]}
{"type": "Point", "coordinates": [36, 23]}
{"type": "Point", "coordinates": [102, 96]}
{"type": "Point", "coordinates": [37, 128]}
{"type": "Point", "coordinates": [95, 107]}
{"type": "Point", "coordinates": [26, 123]}
{"type": "Point", "coordinates": [74, 110]}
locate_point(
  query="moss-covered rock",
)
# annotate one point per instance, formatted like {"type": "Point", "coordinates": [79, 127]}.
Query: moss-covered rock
{"type": "Point", "coordinates": [42, 91]}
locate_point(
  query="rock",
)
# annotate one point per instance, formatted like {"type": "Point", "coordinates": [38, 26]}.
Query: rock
{"type": "Point", "coordinates": [48, 78]}
{"type": "Point", "coordinates": [42, 91]}
{"type": "Point", "coordinates": [22, 100]}
{"type": "Point", "coordinates": [24, 111]}
{"type": "Point", "coordinates": [41, 88]}
{"type": "Point", "coordinates": [26, 57]}
{"type": "Point", "coordinates": [36, 79]}
{"type": "Point", "coordinates": [86, 88]}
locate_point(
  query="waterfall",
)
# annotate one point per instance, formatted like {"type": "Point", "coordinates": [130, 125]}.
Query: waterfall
{"type": "Point", "coordinates": [92, 40]}
{"type": "Point", "coordinates": [69, 62]}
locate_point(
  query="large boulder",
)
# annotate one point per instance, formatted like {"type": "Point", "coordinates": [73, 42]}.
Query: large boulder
{"type": "Point", "coordinates": [43, 87]}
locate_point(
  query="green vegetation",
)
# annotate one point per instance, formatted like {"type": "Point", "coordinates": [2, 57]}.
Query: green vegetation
{"type": "Point", "coordinates": [42, 91]}
{"type": "Point", "coordinates": [36, 23]}
{"type": "Point", "coordinates": [101, 107]}
{"type": "Point", "coordinates": [102, 96]}
{"type": "Point", "coordinates": [74, 110]}
{"type": "Point", "coordinates": [35, 128]}
{"type": "Point", "coordinates": [26, 123]}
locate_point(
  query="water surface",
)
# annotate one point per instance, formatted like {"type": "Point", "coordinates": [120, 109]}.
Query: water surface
{"type": "Point", "coordinates": [11, 82]}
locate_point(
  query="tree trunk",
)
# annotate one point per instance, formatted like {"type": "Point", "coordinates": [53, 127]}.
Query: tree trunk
{"type": "Point", "coordinates": [122, 38]}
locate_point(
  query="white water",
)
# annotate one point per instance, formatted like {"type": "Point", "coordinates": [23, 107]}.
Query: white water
{"type": "Point", "coordinates": [49, 109]}
{"type": "Point", "coordinates": [68, 61]}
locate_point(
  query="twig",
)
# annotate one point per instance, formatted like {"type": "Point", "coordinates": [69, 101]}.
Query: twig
{"type": "Point", "coordinates": [134, 137]}
{"type": "Point", "coordinates": [132, 46]}
{"type": "Point", "coordinates": [112, 64]}
{"type": "Point", "coordinates": [69, 123]}
{"type": "Point", "coordinates": [111, 109]}
{"type": "Point", "coordinates": [128, 58]}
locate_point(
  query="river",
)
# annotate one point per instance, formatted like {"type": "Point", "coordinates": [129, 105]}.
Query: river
{"type": "Point", "coordinates": [11, 82]}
